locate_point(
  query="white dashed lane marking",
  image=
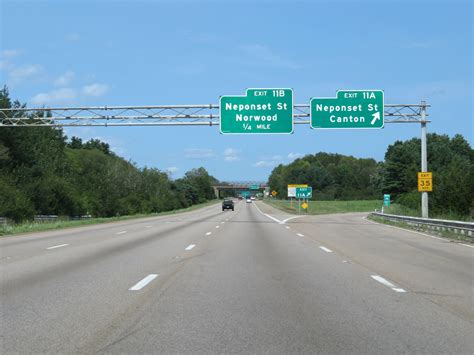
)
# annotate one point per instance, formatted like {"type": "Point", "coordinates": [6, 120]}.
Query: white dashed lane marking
{"type": "Point", "coordinates": [143, 283]}
{"type": "Point", "coordinates": [208, 233]}
{"type": "Point", "coordinates": [122, 232]}
{"type": "Point", "coordinates": [57, 246]}
{"type": "Point", "coordinates": [387, 283]}
{"type": "Point", "coordinates": [326, 249]}
{"type": "Point", "coordinates": [190, 246]}
{"type": "Point", "coordinates": [299, 235]}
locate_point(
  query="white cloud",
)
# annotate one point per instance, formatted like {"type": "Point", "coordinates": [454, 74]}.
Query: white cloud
{"type": "Point", "coordinates": [72, 37]}
{"type": "Point", "coordinates": [231, 155]}
{"type": "Point", "coordinates": [54, 96]}
{"type": "Point", "coordinates": [199, 153]}
{"type": "Point", "coordinates": [294, 156]}
{"type": "Point", "coordinates": [172, 169]}
{"type": "Point", "coordinates": [9, 53]}
{"type": "Point", "coordinates": [95, 89]}
{"type": "Point", "coordinates": [65, 79]}
{"type": "Point", "coordinates": [265, 163]}
{"type": "Point", "coordinates": [263, 56]}
{"type": "Point", "coordinates": [19, 74]}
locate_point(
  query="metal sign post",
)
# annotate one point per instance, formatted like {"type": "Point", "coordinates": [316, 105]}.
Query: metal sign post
{"type": "Point", "coordinates": [424, 160]}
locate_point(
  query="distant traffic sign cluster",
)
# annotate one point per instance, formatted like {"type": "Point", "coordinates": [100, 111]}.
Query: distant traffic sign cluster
{"type": "Point", "coordinates": [271, 111]}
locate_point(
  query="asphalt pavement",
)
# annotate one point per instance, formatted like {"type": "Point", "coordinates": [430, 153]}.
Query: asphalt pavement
{"type": "Point", "coordinates": [255, 280]}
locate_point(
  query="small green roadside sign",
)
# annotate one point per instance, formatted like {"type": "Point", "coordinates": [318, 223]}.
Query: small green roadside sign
{"type": "Point", "coordinates": [304, 192]}
{"type": "Point", "coordinates": [258, 111]}
{"type": "Point", "coordinates": [349, 109]}
{"type": "Point", "coordinates": [254, 187]}
{"type": "Point", "coordinates": [386, 200]}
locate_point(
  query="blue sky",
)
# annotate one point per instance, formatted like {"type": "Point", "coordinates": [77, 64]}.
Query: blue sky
{"type": "Point", "coordinates": [157, 52]}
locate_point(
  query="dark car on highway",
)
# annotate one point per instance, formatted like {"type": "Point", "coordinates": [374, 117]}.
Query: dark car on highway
{"type": "Point", "coordinates": [227, 205]}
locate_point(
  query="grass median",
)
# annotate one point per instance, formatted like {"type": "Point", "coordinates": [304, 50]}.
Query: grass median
{"type": "Point", "coordinates": [326, 207]}
{"type": "Point", "coordinates": [28, 227]}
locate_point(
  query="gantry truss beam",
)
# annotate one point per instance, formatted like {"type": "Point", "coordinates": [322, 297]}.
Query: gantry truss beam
{"type": "Point", "coordinates": [165, 115]}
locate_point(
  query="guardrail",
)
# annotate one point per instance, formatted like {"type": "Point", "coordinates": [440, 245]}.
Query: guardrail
{"type": "Point", "coordinates": [458, 227]}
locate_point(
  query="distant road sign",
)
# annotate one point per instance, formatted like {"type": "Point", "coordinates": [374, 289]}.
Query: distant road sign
{"type": "Point", "coordinates": [258, 111]}
{"type": "Point", "coordinates": [304, 205]}
{"type": "Point", "coordinates": [254, 187]}
{"type": "Point", "coordinates": [386, 200]}
{"type": "Point", "coordinates": [349, 109]}
{"type": "Point", "coordinates": [425, 182]}
{"type": "Point", "coordinates": [292, 189]}
{"type": "Point", "coordinates": [304, 192]}
{"type": "Point", "coordinates": [274, 193]}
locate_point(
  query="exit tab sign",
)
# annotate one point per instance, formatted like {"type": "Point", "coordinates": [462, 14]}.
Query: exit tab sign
{"type": "Point", "coordinates": [258, 111]}
{"type": "Point", "coordinates": [349, 109]}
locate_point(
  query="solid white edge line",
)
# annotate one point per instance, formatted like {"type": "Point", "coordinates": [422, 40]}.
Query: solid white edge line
{"type": "Point", "coordinates": [289, 219]}
{"type": "Point", "coordinates": [326, 249]}
{"type": "Point", "coordinates": [467, 245]}
{"type": "Point", "coordinates": [405, 229]}
{"type": "Point", "coordinates": [57, 246]}
{"type": "Point", "coordinates": [142, 283]}
{"type": "Point", "coordinates": [122, 232]}
{"type": "Point", "coordinates": [208, 233]}
{"type": "Point", "coordinates": [267, 215]}
{"type": "Point", "coordinates": [300, 235]}
{"type": "Point", "coordinates": [190, 246]}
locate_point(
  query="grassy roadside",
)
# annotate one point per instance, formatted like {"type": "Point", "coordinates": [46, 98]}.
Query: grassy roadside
{"type": "Point", "coordinates": [439, 233]}
{"type": "Point", "coordinates": [326, 207]}
{"type": "Point", "coordinates": [28, 227]}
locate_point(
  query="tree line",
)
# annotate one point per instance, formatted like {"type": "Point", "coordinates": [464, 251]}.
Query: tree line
{"type": "Point", "coordinates": [339, 177]}
{"type": "Point", "coordinates": [44, 172]}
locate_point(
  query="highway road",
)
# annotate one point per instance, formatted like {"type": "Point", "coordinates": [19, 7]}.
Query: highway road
{"type": "Point", "coordinates": [255, 280]}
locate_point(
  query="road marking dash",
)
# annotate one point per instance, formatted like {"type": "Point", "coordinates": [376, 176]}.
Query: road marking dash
{"type": "Point", "coordinates": [326, 249]}
{"type": "Point", "coordinates": [401, 290]}
{"type": "Point", "coordinates": [300, 235]}
{"type": "Point", "coordinates": [57, 246]}
{"type": "Point", "coordinates": [148, 226]}
{"type": "Point", "coordinates": [190, 246]}
{"type": "Point", "coordinates": [122, 232]}
{"type": "Point", "coordinates": [217, 226]}
{"type": "Point", "coordinates": [387, 283]}
{"type": "Point", "coordinates": [287, 227]}
{"type": "Point", "coordinates": [222, 222]}
{"type": "Point", "coordinates": [143, 283]}
{"type": "Point", "coordinates": [208, 233]}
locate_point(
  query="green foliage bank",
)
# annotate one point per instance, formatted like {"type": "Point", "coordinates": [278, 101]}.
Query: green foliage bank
{"type": "Point", "coordinates": [42, 172]}
{"type": "Point", "coordinates": [339, 177]}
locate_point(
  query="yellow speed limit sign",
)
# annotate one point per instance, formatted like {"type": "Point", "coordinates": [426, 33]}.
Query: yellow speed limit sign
{"type": "Point", "coordinates": [425, 182]}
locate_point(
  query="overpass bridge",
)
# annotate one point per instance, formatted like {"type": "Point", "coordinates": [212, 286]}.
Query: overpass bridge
{"type": "Point", "coordinates": [234, 188]}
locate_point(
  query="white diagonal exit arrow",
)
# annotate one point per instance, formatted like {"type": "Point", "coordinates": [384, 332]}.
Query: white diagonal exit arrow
{"type": "Point", "coordinates": [376, 118]}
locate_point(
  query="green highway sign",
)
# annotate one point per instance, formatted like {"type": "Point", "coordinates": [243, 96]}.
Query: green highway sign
{"type": "Point", "coordinates": [258, 111]}
{"type": "Point", "coordinates": [386, 200]}
{"type": "Point", "coordinates": [349, 109]}
{"type": "Point", "coordinates": [304, 192]}
{"type": "Point", "coordinates": [254, 187]}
